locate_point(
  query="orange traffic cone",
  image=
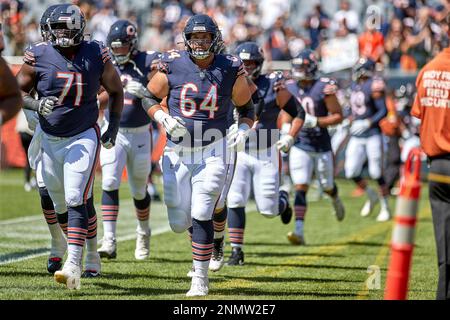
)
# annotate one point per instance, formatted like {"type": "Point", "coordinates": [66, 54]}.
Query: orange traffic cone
{"type": "Point", "coordinates": [402, 243]}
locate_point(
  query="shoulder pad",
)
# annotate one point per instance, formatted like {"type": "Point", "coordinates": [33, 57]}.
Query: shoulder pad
{"type": "Point", "coordinates": [33, 51]}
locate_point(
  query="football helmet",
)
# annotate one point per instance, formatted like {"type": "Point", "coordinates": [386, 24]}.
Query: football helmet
{"type": "Point", "coordinates": [122, 40]}
{"type": "Point", "coordinates": [250, 51]}
{"type": "Point", "coordinates": [365, 67]}
{"type": "Point", "coordinates": [43, 24]}
{"type": "Point", "coordinates": [66, 26]}
{"type": "Point", "coordinates": [202, 48]}
{"type": "Point", "coordinates": [305, 66]}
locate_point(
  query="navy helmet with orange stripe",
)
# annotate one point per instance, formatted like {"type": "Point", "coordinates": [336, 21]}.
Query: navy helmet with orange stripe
{"type": "Point", "coordinates": [202, 48]}
{"type": "Point", "coordinates": [305, 66]}
{"type": "Point", "coordinates": [364, 68]}
{"type": "Point", "coordinates": [121, 40]}
{"type": "Point", "coordinates": [44, 26]}
{"type": "Point", "coordinates": [66, 26]}
{"type": "Point", "coordinates": [251, 52]}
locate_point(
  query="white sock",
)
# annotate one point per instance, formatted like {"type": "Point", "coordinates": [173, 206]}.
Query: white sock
{"type": "Point", "coordinates": [91, 244]}
{"type": "Point", "coordinates": [201, 268]}
{"type": "Point", "coordinates": [75, 255]}
{"type": "Point", "coordinates": [56, 232]}
{"type": "Point", "coordinates": [236, 245]}
{"type": "Point", "coordinates": [109, 235]}
{"type": "Point", "coordinates": [143, 227]}
{"type": "Point", "coordinates": [109, 227]}
{"type": "Point", "coordinates": [299, 224]}
{"type": "Point", "coordinates": [384, 203]}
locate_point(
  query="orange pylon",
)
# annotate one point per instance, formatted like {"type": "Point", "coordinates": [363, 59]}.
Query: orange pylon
{"type": "Point", "coordinates": [402, 243]}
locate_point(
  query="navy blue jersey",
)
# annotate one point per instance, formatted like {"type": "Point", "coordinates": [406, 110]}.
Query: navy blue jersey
{"type": "Point", "coordinates": [362, 102]}
{"type": "Point", "coordinates": [201, 98]}
{"type": "Point", "coordinates": [312, 100]}
{"type": "Point", "coordinates": [137, 69]}
{"type": "Point", "coordinates": [75, 82]}
{"type": "Point", "coordinates": [267, 132]}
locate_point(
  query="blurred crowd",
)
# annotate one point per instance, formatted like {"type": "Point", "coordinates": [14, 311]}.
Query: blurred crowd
{"type": "Point", "coordinates": [400, 34]}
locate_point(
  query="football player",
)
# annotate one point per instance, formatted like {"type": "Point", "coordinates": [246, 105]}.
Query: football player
{"type": "Point", "coordinates": [368, 108]}
{"type": "Point", "coordinates": [133, 143]}
{"type": "Point", "coordinates": [312, 151]}
{"type": "Point", "coordinates": [199, 85]}
{"type": "Point", "coordinates": [260, 162]}
{"type": "Point", "coordinates": [57, 222]}
{"type": "Point", "coordinates": [66, 72]}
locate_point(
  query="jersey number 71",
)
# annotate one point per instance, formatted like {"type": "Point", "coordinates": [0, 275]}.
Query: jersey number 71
{"type": "Point", "coordinates": [70, 77]}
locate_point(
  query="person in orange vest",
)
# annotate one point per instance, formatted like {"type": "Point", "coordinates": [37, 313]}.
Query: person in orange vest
{"type": "Point", "coordinates": [432, 107]}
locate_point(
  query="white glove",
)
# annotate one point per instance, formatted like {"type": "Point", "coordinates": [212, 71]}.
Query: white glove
{"type": "Point", "coordinates": [236, 138]}
{"type": "Point", "coordinates": [359, 126]}
{"type": "Point", "coordinates": [310, 121]}
{"type": "Point", "coordinates": [173, 125]}
{"type": "Point", "coordinates": [285, 128]}
{"type": "Point", "coordinates": [46, 105]}
{"type": "Point", "coordinates": [285, 143]}
{"type": "Point", "coordinates": [136, 88]}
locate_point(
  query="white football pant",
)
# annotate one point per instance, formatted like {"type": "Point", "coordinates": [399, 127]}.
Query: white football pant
{"type": "Point", "coordinates": [262, 167]}
{"type": "Point", "coordinates": [69, 167]}
{"type": "Point", "coordinates": [361, 149]}
{"type": "Point", "coordinates": [133, 147]}
{"type": "Point", "coordinates": [303, 164]}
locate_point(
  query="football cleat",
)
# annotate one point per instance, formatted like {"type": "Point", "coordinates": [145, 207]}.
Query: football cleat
{"type": "Point", "coordinates": [108, 248]}
{"type": "Point", "coordinates": [191, 272]}
{"type": "Point", "coordinates": [296, 239]}
{"type": "Point", "coordinates": [339, 210]}
{"type": "Point", "coordinates": [217, 259]}
{"type": "Point", "coordinates": [92, 268]}
{"type": "Point", "coordinates": [384, 215]}
{"type": "Point", "coordinates": [370, 203]}
{"type": "Point", "coordinates": [69, 275]}
{"type": "Point", "coordinates": [199, 287]}
{"type": "Point", "coordinates": [54, 264]}
{"type": "Point", "coordinates": [57, 252]}
{"type": "Point", "coordinates": [286, 216]}
{"type": "Point", "coordinates": [142, 245]}
{"type": "Point", "coordinates": [236, 258]}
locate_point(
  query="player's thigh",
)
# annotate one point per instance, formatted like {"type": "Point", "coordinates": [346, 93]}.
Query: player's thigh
{"type": "Point", "coordinates": [325, 169]}
{"type": "Point", "coordinates": [112, 162]}
{"type": "Point", "coordinates": [266, 182]}
{"type": "Point", "coordinates": [177, 191]}
{"type": "Point", "coordinates": [231, 168]}
{"type": "Point", "coordinates": [79, 167]}
{"type": "Point", "coordinates": [301, 165]}
{"type": "Point", "coordinates": [374, 149]}
{"type": "Point", "coordinates": [355, 157]}
{"type": "Point", "coordinates": [240, 185]}
{"type": "Point", "coordinates": [139, 164]}
{"type": "Point", "coordinates": [208, 180]}
{"type": "Point", "coordinates": [53, 173]}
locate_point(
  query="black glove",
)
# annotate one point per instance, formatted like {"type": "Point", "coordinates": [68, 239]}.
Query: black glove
{"type": "Point", "coordinates": [108, 139]}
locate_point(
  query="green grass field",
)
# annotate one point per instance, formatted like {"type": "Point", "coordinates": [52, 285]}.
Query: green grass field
{"type": "Point", "coordinates": [333, 265]}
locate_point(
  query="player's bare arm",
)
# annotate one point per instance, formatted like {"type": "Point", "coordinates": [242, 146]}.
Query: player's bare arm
{"type": "Point", "coordinates": [110, 80]}
{"type": "Point", "coordinates": [242, 99]}
{"type": "Point", "coordinates": [11, 100]}
{"type": "Point", "coordinates": [335, 112]}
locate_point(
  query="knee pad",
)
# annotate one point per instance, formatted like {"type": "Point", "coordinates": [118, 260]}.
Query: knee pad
{"type": "Point", "coordinates": [74, 198]}
{"type": "Point", "coordinates": [111, 183]}
{"type": "Point", "coordinates": [178, 220]}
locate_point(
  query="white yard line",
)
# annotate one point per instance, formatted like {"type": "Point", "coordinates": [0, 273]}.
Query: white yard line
{"type": "Point", "coordinates": [23, 233]}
